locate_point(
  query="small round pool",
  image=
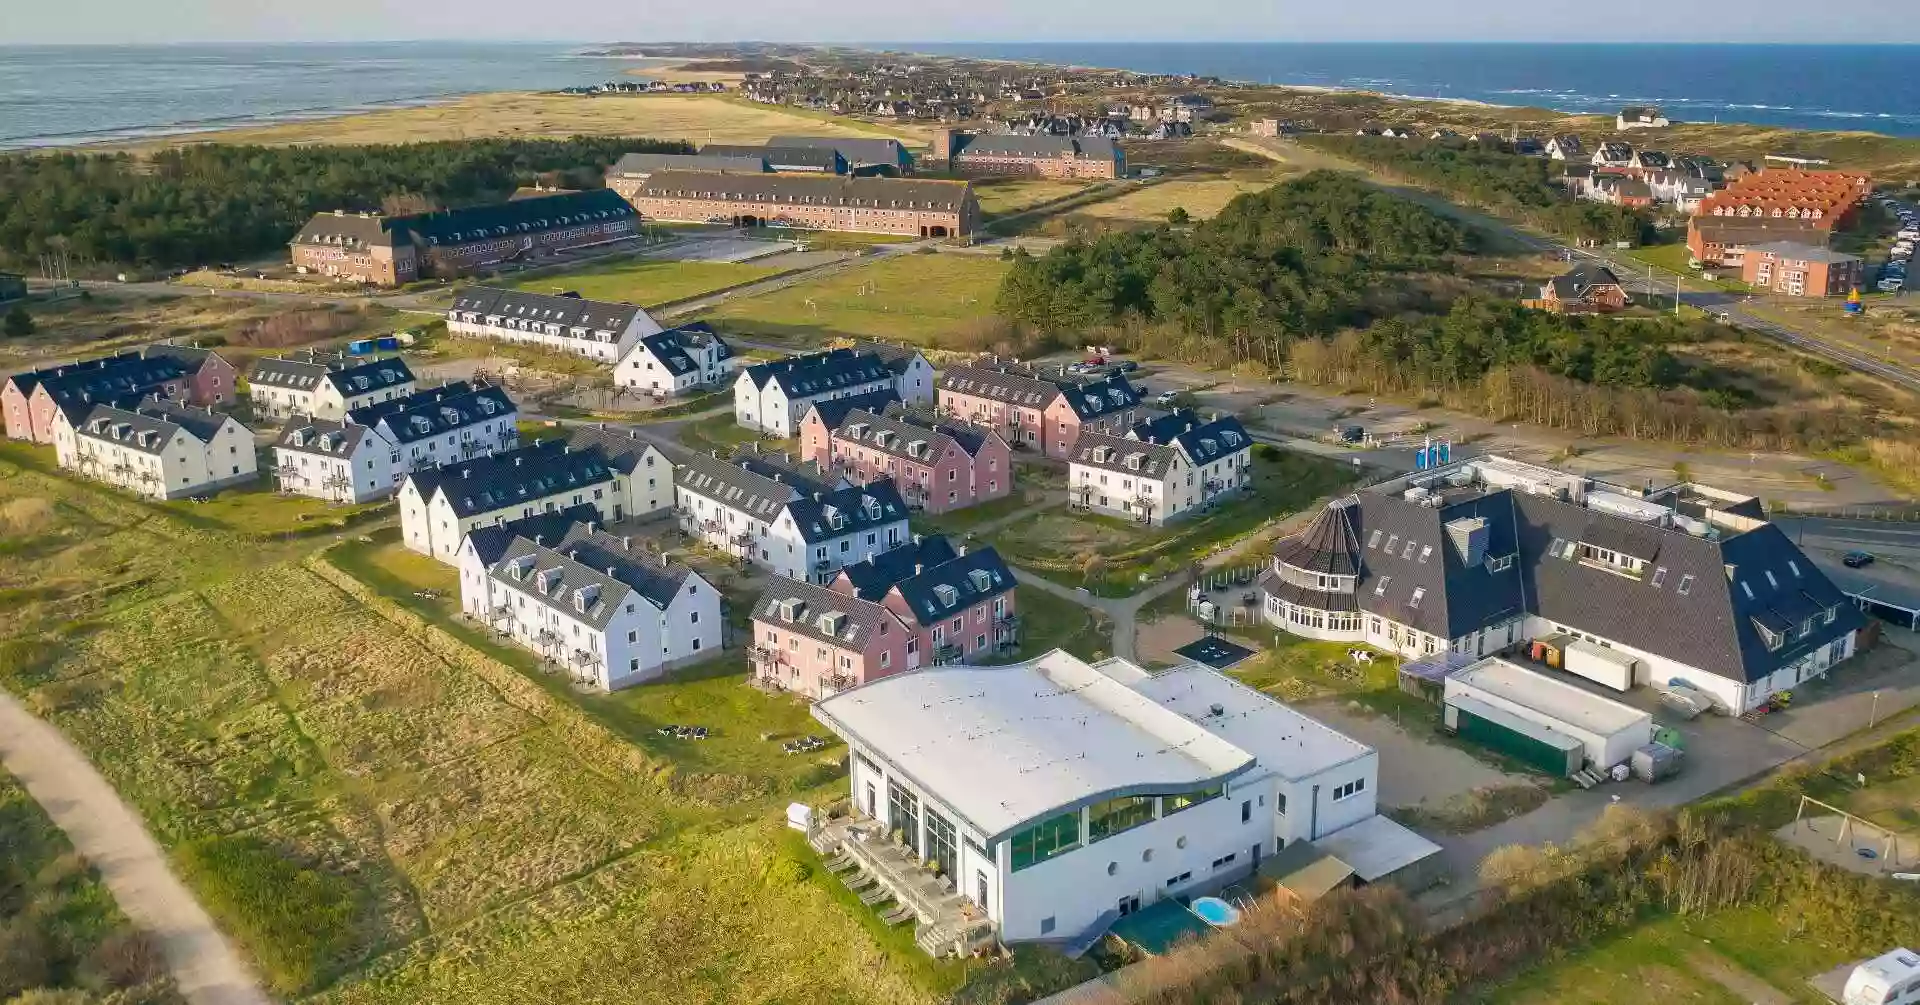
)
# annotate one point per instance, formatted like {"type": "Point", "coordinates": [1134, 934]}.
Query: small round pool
{"type": "Point", "coordinates": [1216, 912]}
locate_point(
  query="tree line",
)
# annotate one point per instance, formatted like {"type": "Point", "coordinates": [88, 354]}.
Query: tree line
{"type": "Point", "coordinates": [1509, 185]}
{"type": "Point", "coordinates": [1300, 258]}
{"type": "Point", "coordinates": [215, 202]}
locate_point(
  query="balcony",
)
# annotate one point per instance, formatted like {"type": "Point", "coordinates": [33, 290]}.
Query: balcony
{"type": "Point", "coordinates": [947, 653]}
{"type": "Point", "coordinates": [857, 850]}
{"type": "Point", "coordinates": [838, 681]}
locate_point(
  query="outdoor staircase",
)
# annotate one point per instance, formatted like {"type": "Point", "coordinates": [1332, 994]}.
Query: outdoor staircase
{"type": "Point", "coordinates": [1587, 778]}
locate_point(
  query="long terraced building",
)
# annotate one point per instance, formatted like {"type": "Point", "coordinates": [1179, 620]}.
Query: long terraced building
{"type": "Point", "coordinates": [915, 207]}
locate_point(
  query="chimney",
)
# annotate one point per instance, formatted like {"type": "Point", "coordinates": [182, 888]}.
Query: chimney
{"type": "Point", "coordinates": [609, 572]}
{"type": "Point", "coordinates": [959, 551]}
{"type": "Point", "coordinates": [466, 472]}
{"type": "Point", "coordinates": [633, 434]}
{"type": "Point", "coordinates": [603, 426]}
{"type": "Point", "coordinates": [626, 543]}
{"type": "Point", "coordinates": [715, 453]}
{"type": "Point", "coordinates": [918, 568]}
{"type": "Point", "coordinates": [663, 560]}
{"type": "Point", "coordinates": [592, 525]}
{"type": "Point", "coordinates": [539, 538]}
{"type": "Point", "coordinates": [516, 462]}
{"type": "Point", "coordinates": [816, 497]}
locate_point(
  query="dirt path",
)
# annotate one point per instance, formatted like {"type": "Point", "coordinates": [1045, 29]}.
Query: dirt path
{"type": "Point", "coordinates": [1737, 980]}
{"type": "Point", "coordinates": [115, 840]}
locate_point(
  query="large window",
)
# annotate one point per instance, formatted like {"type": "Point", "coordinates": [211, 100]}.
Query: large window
{"type": "Point", "coordinates": [1046, 839]}
{"type": "Point", "coordinates": [903, 813]}
{"type": "Point", "coordinates": [941, 847]}
{"type": "Point", "coordinates": [1185, 800]}
{"type": "Point", "coordinates": [1114, 816]}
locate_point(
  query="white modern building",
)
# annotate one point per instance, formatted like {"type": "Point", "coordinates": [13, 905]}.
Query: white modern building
{"type": "Point", "coordinates": [1161, 469]}
{"type": "Point", "coordinates": [564, 323]}
{"type": "Point", "coordinates": [787, 521]}
{"type": "Point", "coordinates": [588, 602]}
{"type": "Point", "coordinates": [439, 425]}
{"type": "Point", "coordinates": [773, 397]}
{"type": "Point", "coordinates": [439, 506]}
{"type": "Point", "coordinates": [1056, 796]}
{"type": "Point", "coordinates": [325, 386]}
{"type": "Point", "coordinates": [1540, 719]}
{"type": "Point", "coordinates": [676, 361]}
{"type": "Point", "coordinates": [336, 460]}
{"type": "Point", "coordinates": [155, 447]}
{"type": "Point", "coordinates": [1690, 582]}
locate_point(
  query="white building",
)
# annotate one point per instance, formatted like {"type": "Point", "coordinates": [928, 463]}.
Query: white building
{"type": "Point", "coordinates": [441, 425]}
{"type": "Point", "coordinates": [568, 324]}
{"type": "Point", "coordinates": [157, 447]}
{"type": "Point", "coordinates": [1640, 117]}
{"type": "Point", "coordinates": [1054, 794]}
{"type": "Point", "coordinates": [1693, 583]}
{"type": "Point", "coordinates": [785, 520]}
{"type": "Point", "coordinates": [642, 475]}
{"type": "Point", "coordinates": [1533, 713]}
{"type": "Point", "coordinates": [439, 506]}
{"type": "Point", "coordinates": [773, 397]}
{"type": "Point", "coordinates": [1161, 469]}
{"type": "Point", "coordinates": [588, 602]}
{"type": "Point", "coordinates": [335, 460]}
{"type": "Point", "coordinates": [676, 361]}
{"type": "Point", "coordinates": [325, 386]}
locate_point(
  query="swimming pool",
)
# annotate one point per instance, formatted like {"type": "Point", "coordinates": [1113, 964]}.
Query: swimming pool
{"type": "Point", "coordinates": [1216, 912]}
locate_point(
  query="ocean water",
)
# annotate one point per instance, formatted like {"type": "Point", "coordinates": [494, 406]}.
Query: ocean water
{"type": "Point", "coordinates": [1867, 87]}
{"type": "Point", "coordinates": [56, 95]}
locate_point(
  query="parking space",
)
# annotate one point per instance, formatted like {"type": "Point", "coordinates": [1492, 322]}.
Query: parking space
{"type": "Point", "coordinates": [1893, 276]}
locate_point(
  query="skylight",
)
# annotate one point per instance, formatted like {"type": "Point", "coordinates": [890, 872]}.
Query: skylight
{"type": "Point", "coordinates": [1686, 585]}
{"type": "Point", "coordinates": [1418, 593]}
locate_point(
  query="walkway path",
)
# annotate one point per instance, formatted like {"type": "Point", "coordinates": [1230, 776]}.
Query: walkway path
{"type": "Point", "coordinates": [115, 840]}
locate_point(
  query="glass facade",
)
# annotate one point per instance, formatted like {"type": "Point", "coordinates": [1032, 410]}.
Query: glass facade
{"type": "Point", "coordinates": [903, 814]}
{"type": "Point", "coordinates": [1185, 800]}
{"type": "Point", "coordinates": [1114, 816]}
{"type": "Point", "coordinates": [1044, 840]}
{"type": "Point", "coordinates": [941, 849]}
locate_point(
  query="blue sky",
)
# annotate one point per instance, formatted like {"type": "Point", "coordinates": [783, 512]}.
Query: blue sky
{"type": "Point", "coordinates": [27, 21]}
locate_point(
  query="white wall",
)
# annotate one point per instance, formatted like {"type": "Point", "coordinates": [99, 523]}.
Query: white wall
{"type": "Point", "coordinates": [565, 339]}
{"type": "Point", "coordinates": [649, 489]}
{"type": "Point", "coordinates": [501, 432]}
{"type": "Point", "coordinates": [369, 472]}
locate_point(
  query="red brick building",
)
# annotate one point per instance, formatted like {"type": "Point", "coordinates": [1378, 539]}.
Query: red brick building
{"type": "Point", "coordinates": [876, 205]}
{"type": "Point", "coordinates": [1801, 270]}
{"type": "Point", "coordinates": [1778, 204]}
{"type": "Point", "coordinates": [180, 372]}
{"type": "Point", "coordinates": [1588, 289]}
{"type": "Point", "coordinates": [1037, 156]}
{"type": "Point", "coordinates": [390, 250]}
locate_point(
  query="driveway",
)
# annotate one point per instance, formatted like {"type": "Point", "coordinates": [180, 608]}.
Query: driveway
{"type": "Point", "coordinates": [115, 840]}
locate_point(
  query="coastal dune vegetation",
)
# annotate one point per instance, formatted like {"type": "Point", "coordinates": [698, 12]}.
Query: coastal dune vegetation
{"type": "Point", "coordinates": [211, 203]}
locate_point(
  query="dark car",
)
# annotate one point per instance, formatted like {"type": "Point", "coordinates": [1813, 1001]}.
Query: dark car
{"type": "Point", "coordinates": [1856, 559]}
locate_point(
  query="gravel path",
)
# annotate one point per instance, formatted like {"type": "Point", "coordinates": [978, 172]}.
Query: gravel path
{"type": "Point", "coordinates": [115, 840]}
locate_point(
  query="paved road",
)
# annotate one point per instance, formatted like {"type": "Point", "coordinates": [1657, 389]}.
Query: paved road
{"type": "Point", "coordinates": [115, 840]}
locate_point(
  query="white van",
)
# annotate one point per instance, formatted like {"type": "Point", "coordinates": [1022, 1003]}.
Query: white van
{"type": "Point", "coordinates": [1892, 979]}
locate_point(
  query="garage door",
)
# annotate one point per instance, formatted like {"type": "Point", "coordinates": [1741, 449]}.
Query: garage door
{"type": "Point", "coordinates": [1527, 750]}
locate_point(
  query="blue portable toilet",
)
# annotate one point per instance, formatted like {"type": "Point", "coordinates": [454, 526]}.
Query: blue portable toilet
{"type": "Point", "coordinates": [387, 343]}
{"type": "Point", "coordinates": [360, 347]}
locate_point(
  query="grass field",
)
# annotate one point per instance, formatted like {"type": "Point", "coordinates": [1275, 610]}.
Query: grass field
{"type": "Point", "coordinates": [915, 298]}
{"type": "Point", "coordinates": [106, 322]}
{"type": "Point", "coordinates": [381, 813]}
{"type": "Point", "coordinates": [1201, 197]}
{"type": "Point", "coordinates": [647, 282]}
{"type": "Point", "coordinates": [699, 119]}
{"type": "Point", "coordinates": [1001, 196]}
{"type": "Point", "coordinates": [62, 929]}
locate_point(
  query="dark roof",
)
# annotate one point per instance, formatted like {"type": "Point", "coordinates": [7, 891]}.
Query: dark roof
{"type": "Point", "coordinates": [780, 158]}
{"type": "Point", "coordinates": [819, 613]}
{"type": "Point", "coordinates": [587, 575]}
{"type": "Point", "coordinates": [942, 590]}
{"type": "Point", "coordinates": [1010, 385]}
{"type": "Point", "coordinates": [122, 375]}
{"type": "Point", "coordinates": [1329, 546]}
{"type": "Point", "coordinates": [895, 433]}
{"type": "Point", "coordinates": [871, 579]}
{"type": "Point", "coordinates": [898, 358]}
{"type": "Point", "coordinates": [322, 437]}
{"type": "Point", "coordinates": [457, 226]}
{"type": "Point", "coordinates": [1581, 280]}
{"type": "Point", "coordinates": [820, 372]}
{"type": "Point", "coordinates": [670, 346]}
{"type": "Point", "coordinates": [1407, 549]}
{"type": "Point", "coordinates": [860, 507]}
{"type": "Point", "coordinates": [159, 418]}
{"type": "Point", "coordinates": [489, 543]}
{"type": "Point", "coordinates": [644, 164]}
{"type": "Point", "coordinates": [1750, 230]}
{"type": "Point", "coordinates": [623, 449]}
{"type": "Point", "coordinates": [436, 410]}
{"type": "Point", "coordinates": [737, 486]}
{"type": "Point", "coordinates": [1109, 452]}
{"type": "Point", "coordinates": [522, 475]}
{"type": "Point", "coordinates": [1095, 147]}
{"type": "Point", "coordinates": [834, 410]}
{"type": "Point", "coordinates": [1102, 397]}
{"type": "Point", "coordinates": [857, 151]}
{"type": "Point", "coordinates": [1203, 441]}
{"type": "Point", "coordinates": [190, 357]}
{"type": "Point", "coordinates": [350, 375]}
{"type": "Point", "coordinates": [569, 311]}
{"type": "Point", "coordinates": [831, 190]}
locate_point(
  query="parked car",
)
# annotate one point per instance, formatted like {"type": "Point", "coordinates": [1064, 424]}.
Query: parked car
{"type": "Point", "coordinates": [1856, 559]}
{"type": "Point", "coordinates": [1126, 365]}
{"type": "Point", "coordinates": [1095, 361]}
{"type": "Point", "coordinates": [1166, 398]}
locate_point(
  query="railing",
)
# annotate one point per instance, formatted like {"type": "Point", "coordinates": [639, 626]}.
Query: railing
{"type": "Point", "coordinates": [840, 681]}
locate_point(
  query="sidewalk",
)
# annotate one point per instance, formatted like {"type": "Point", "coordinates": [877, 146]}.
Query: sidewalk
{"type": "Point", "coordinates": [115, 841]}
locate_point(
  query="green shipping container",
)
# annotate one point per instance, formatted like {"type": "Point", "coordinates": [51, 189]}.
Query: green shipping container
{"type": "Point", "coordinates": [1532, 751]}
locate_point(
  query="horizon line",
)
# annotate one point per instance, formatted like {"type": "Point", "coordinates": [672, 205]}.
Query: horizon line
{"type": "Point", "coordinates": [897, 44]}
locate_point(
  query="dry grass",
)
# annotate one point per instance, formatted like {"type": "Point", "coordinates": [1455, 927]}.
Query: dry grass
{"type": "Point", "coordinates": [1001, 196]}
{"type": "Point", "coordinates": [915, 298]}
{"type": "Point", "coordinates": [106, 322]}
{"type": "Point", "coordinates": [1202, 197]}
{"type": "Point", "coordinates": [695, 118]}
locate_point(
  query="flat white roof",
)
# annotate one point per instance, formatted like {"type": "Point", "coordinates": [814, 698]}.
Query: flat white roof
{"type": "Point", "coordinates": [1376, 847]}
{"type": "Point", "coordinates": [1284, 741]}
{"type": "Point", "coordinates": [1552, 699]}
{"type": "Point", "coordinates": [1005, 746]}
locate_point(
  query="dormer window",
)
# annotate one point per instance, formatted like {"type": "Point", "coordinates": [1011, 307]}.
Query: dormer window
{"type": "Point", "coordinates": [947, 594]}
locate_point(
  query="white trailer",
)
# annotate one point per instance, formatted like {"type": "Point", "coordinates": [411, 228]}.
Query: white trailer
{"type": "Point", "coordinates": [1601, 665]}
{"type": "Point", "coordinates": [1892, 979]}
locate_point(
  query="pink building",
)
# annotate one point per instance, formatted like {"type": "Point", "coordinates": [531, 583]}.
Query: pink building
{"type": "Point", "coordinates": [1039, 410]}
{"type": "Point", "coordinates": [198, 376]}
{"type": "Point", "coordinates": [813, 641]}
{"type": "Point", "coordinates": [939, 467]}
{"type": "Point", "coordinates": [960, 605]}
{"type": "Point", "coordinates": [823, 417]}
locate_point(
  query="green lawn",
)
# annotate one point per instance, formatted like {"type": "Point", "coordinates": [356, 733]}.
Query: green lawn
{"type": "Point", "coordinates": [959, 523]}
{"type": "Point", "coordinates": [721, 432]}
{"type": "Point", "coordinates": [647, 282]}
{"type": "Point", "coordinates": [256, 509]}
{"type": "Point", "coordinates": [1048, 622]}
{"type": "Point", "coordinates": [912, 297]}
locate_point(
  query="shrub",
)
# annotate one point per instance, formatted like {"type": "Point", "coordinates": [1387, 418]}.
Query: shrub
{"type": "Point", "coordinates": [19, 324]}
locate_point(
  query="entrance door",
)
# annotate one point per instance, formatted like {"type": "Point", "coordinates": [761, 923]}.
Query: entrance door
{"type": "Point", "coordinates": [913, 653]}
{"type": "Point", "coordinates": [980, 891]}
{"type": "Point", "coordinates": [872, 803]}
{"type": "Point", "coordinates": [1128, 905]}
